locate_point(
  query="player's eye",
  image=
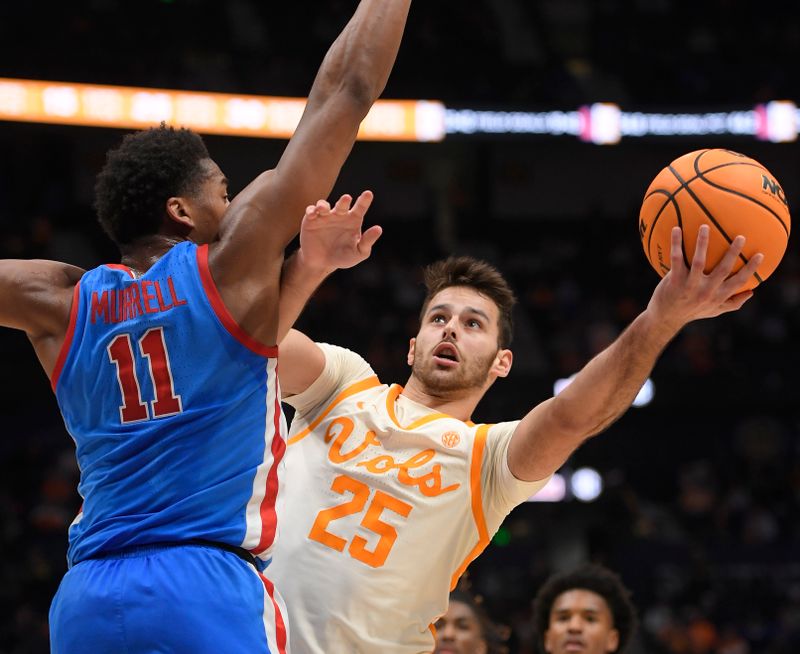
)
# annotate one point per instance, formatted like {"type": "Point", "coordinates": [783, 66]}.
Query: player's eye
{"type": "Point", "coordinates": [437, 318]}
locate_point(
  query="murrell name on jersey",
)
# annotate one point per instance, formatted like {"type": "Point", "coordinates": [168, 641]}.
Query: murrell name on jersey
{"type": "Point", "coordinates": [139, 298]}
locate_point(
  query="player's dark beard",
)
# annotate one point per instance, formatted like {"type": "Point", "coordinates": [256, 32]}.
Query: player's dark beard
{"type": "Point", "coordinates": [468, 375]}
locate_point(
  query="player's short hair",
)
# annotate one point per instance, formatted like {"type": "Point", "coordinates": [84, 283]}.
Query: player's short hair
{"type": "Point", "coordinates": [594, 578]}
{"type": "Point", "coordinates": [139, 176]}
{"type": "Point", "coordinates": [478, 275]}
{"type": "Point", "coordinates": [493, 634]}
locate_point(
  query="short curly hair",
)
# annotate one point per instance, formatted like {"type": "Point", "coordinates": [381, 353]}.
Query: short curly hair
{"type": "Point", "coordinates": [494, 635]}
{"type": "Point", "coordinates": [597, 579]}
{"type": "Point", "coordinates": [141, 174]}
{"type": "Point", "coordinates": [478, 275]}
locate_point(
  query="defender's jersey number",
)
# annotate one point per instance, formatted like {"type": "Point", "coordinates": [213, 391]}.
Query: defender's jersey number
{"type": "Point", "coordinates": [371, 521]}
{"type": "Point", "coordinates": [153, 347]}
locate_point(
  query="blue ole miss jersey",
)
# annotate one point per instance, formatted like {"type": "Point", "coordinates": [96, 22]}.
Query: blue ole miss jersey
{"type": "Point", "coordinates": [174, 409]}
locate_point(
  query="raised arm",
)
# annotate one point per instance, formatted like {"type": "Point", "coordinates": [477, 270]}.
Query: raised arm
{"type": "Point", "coordinates": [266, 215]}
{"type": "Point", "coordinates": [330, 238]}
{"type": "Point", "coordinates": [606, 387]}
{"type": "Point", "coordinates": [36, 297]}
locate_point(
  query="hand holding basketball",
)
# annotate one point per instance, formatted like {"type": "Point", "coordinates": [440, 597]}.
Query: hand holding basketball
{"type": "Point", "coordinates": [691, 293]}
{"type": "Point", "coordinates": [732, 194]}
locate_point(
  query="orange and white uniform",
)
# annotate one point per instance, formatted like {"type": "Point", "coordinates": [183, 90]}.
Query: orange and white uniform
{"type": "Point", "coordinates": [388, 503]}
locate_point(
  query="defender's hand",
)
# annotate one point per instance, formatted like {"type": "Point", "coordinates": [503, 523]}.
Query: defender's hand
{"type": "Point", "coordinates": [331, 238]}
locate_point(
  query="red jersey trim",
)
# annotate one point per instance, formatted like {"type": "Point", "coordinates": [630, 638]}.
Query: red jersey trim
{"type": "Point", "coordinates": [119, 266]}
{"type": "Point", "coordinates": [270, 352]}
{"type": "Point", "coordinates": [65, 346]}
{"type": "Point", "coordinates": [280, 626]}
{"type": "Point", "coordinates": [269, 518]}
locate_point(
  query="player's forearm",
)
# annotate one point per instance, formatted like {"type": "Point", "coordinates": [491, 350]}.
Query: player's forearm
{"type": "Point", "coordinates": [299, 280]}
{"type": "Point", "coordinates": [608, 384]}
{"type": "Point", "coordinates": [361, 58]}
{"type": "Point", "coordinates": [597, 396]}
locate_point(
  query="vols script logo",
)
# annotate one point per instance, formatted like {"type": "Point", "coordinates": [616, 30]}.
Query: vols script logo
{"type": "Point", "coordinates": [418, 470]}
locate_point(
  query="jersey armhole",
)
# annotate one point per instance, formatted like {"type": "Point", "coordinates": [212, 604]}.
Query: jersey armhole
{"type": "Point", "coordinates": [221, 311]}
{"type": "Point", "coordinates": [65, 346]}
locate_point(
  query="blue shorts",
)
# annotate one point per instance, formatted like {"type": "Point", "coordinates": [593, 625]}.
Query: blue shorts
{"type": "Point", "coordinates": [167, 599]}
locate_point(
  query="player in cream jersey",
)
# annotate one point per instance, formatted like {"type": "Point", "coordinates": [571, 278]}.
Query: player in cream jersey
{"type": "Point", "coordinates": [392, 491]}
{"type": "Point", "coordinates": [388, 473]}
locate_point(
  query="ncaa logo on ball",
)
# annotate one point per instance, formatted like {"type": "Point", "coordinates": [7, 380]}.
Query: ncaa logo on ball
{"type": "Point", "coordinates": [771, 187]}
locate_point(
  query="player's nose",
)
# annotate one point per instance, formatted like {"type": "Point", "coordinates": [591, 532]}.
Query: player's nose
{"type": "Point", "coordinates": [446, 633]}
{"type": "Point", "coordinates": [575, 624]}
{"type": "Point", "coordinates": [451, 327]}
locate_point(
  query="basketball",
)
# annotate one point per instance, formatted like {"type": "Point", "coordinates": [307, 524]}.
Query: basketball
{"type": "Point", "coordinates": [733, 194]}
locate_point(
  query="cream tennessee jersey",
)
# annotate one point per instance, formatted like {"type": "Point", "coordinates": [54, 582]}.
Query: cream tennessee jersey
{"type": "Point", "coordinates": [387, 503]}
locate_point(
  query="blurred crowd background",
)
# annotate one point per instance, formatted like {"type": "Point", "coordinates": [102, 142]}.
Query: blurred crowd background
{"type": "Point", "coordinates": [700, 512]}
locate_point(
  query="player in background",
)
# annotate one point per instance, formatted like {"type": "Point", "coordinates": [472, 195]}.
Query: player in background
{"type": "Point", "coordinates": [586, 610]}
{"type": "Point", "coordinates": [397, 491]}
{"type": "Point", "coordinates": [467, 629]}
{"type": "Point", "coordinates": [164, 368]}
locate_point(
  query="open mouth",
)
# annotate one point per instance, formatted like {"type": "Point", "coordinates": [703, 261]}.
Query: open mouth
{"type": "Point", "coordinates": [446, 354]}
{"type": "Point", "coordinates": [574, 646]}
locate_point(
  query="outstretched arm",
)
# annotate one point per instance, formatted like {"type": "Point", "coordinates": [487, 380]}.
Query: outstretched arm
{"type": "Point", "coordinates": [36, 297]}
{"type": "Point", "coordinates": [265, 216]}
{"type": "Point", "coordinates": [330, 238]}
{"type": "Point", "coordinates": [606, 387]}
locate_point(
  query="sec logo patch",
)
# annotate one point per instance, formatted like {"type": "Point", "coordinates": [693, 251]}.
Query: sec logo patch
{"type": "Point", "coordinates": [451, 439]}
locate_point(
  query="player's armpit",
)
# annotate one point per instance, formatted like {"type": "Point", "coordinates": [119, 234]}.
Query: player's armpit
{"type": "Point", "coordinates": [36, 296]}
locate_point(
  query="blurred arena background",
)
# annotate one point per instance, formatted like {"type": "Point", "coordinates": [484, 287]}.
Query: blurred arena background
{"type": "Point", "coordinates": [696, 500]}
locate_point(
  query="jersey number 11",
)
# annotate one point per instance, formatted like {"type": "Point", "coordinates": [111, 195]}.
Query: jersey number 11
{"type": "Point", "coordinates": [153, 347]}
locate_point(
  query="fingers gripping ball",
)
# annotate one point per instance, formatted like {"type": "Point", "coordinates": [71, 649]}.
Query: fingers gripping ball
{"type": "Point", "coordinates": [731, 193]}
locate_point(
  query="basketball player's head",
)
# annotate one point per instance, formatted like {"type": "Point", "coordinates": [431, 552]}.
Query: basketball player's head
{"type": "Point", "coordinates": [467, 629]}
{"type": "Point", "coordinates": [465, 327]}
{"type": "Point", "coordinates": [160, 181]}
{"type": "Point", "coordinates": [587, 611]}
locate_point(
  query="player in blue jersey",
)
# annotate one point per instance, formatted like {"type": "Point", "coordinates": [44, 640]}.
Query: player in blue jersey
{"type": "Point", "coordinates": [164, 368]}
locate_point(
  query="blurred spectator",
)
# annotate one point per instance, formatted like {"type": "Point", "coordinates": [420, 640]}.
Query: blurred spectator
{"type": "Point", "coordinates": [587, 610]}
{"type": "Point", "coordinates": [466, 627]}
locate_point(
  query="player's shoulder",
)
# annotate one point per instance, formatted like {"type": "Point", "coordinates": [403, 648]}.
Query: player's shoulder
{"type": "Point", "coordinates": [45, 274]}
{"type": "Point", "coordinates": [350, 365]}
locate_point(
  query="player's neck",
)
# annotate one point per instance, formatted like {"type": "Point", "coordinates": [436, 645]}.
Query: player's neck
{"type": "Point", "coordinates": [143, 253]}
{"type": "Point", "coordinates": [458, 403]}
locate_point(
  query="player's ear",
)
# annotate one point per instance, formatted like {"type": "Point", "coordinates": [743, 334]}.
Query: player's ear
{"type": "Point", "coordinates": [178, 211]}
{"type": "Point", "coordinates": [547, 642]}
{"type": "Point", "coordinates": [502, 363]}
{"type": "Point", "coordinates": [411, 348]}
{"type": "Point", "coordinates": [612, 641]}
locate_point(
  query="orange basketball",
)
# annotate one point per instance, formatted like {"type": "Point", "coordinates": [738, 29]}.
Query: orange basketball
{"type": "Point", "coordinates": [728, 191]}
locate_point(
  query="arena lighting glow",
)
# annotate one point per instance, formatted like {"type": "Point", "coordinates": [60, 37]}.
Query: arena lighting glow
{"type": "Point", "coordinates": [643, 397]}
{"type": "Point", "coordinates": [601, 123]}
{"type": "Point", "coordinates": [554, 491]}
{"type": "Point", "coordinates": [390, 120]}
{"type": "Point", "coordinates": [777, 121]}
{"type": "Point", "coordinates": [209, 113]}
{"type": "Point", "coordinates": [607, 124]}
{"type": "Point", "coordinates": [586, 484]}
